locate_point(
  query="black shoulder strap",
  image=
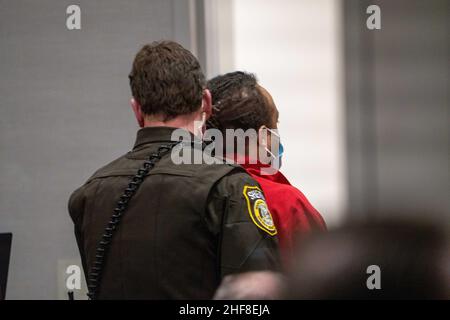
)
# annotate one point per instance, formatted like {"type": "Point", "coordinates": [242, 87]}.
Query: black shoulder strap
{"type": "Point", "coordinates": [95, 273]}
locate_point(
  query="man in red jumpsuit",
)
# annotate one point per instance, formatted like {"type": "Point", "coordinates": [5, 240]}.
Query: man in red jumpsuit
{"type": "Point", "coordinates": [240, 103]}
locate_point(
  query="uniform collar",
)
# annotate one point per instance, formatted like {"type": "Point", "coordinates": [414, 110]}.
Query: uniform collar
{"type": "Point", "coordinates": [155, 134]}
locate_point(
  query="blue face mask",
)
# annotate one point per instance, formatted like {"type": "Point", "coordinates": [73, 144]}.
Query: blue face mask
{"type": "Point", "coordinates": [280, 150]}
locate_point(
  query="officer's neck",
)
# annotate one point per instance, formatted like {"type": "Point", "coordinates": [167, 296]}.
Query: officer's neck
{"type": "Point", "coordinates": [186, 122]}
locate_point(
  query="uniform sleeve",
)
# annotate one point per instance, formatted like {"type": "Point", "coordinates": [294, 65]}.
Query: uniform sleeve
{"type": "Point", "coordinates": [76, 204]}
{"type": "Point", "coordinates": [76, 208]}
{"type": "Point", "coordinates": [247, 237]}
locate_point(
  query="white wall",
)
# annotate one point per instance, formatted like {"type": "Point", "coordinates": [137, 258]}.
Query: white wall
{"type": "Point", "coordinates": [294, 47]}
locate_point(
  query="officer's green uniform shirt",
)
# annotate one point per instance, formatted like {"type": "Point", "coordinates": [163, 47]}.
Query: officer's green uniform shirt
{"type": "Point", "coordinates": [186, 227]}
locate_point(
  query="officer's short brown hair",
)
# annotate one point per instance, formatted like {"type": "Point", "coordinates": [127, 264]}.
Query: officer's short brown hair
{"type": "Point", "coordinates": [167, 80]}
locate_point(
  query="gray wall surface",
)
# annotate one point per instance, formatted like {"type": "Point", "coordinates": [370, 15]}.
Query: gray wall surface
{"type": "Point", "coordinates": [64, 112]}
{"type": "Point", "coordinates": [397, 83]}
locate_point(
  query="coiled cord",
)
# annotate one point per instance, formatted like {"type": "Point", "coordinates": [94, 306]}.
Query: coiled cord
{"type": "Point", "coordinates": [95, 273]}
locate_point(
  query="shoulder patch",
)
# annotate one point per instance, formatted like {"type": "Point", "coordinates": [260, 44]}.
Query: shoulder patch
{"type": "Point", "coordinates": [258, 209]}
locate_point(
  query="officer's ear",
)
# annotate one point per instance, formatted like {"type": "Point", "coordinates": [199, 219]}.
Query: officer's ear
{"type": "Point", "coordinates": [207, 103]}
{"type": "Point", "coordinates": [137, 112]}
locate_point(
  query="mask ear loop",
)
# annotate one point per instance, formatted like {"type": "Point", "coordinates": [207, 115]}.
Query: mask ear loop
{"type": "Point", "coordinates": [265, 147]}
{"type": "Point", "coordinates": [280, 145]}
{"type": "Point", "coordinates": [202, 125]}
{"type": "Point", "coordinates": [274, 133]}
{"type": "Point", "coordinates": [270, 152]}
{"type": "Point", "coordinates": [198, 126]}
{"type": "Point", "coordinates": [203, 118]}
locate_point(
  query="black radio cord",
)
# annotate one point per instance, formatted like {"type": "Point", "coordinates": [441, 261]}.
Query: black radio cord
{"type": "Point", "coordinates": [95, 273]}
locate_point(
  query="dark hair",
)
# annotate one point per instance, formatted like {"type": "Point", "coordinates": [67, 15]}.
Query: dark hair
{"type": "Point", "coordinates": [238, 103]}
{"type": "Point", "coordinates": [166, 79]}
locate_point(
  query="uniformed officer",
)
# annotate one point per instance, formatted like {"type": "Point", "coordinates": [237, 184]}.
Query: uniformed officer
{"type": "Point", "coordinates": [148, 228]}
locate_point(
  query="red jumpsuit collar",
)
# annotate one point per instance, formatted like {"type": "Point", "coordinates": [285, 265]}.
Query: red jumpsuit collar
{"type": "Point", "coordinates": [255, 169]}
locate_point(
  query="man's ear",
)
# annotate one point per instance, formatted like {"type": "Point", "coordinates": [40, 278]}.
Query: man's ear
{"type": "Point", "coordinates": [207, 103]}
{"type": "Point", "coordinates": [137, 112]}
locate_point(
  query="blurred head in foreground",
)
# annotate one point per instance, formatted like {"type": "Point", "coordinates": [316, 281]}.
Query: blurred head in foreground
{"type": "Point", "coordinates": [257, 285]}
{"type": "Point", "coordinates": [381, 260]}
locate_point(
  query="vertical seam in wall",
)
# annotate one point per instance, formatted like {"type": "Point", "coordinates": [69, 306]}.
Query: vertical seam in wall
{"type": "Point", "coordinates": [368, 118]}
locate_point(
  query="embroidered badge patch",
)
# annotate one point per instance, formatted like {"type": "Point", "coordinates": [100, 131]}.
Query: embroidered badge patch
{"type": "Point", "coordinates": [258, 210]}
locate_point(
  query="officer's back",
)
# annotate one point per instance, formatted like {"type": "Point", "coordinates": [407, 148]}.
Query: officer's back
{"type": "Point", "coordinates": [185, 226]}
